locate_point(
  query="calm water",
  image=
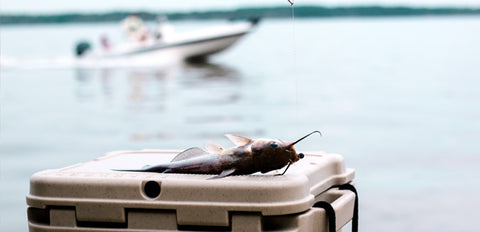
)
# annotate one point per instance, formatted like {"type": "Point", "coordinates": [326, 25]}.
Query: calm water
{"type": "Point", "coordinates": [398, 97]}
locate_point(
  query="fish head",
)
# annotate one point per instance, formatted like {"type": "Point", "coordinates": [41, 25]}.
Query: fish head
{"type": "Point", "coordinates": [276, 151]}
{"type": "Point", "coordinates": [272, 154]}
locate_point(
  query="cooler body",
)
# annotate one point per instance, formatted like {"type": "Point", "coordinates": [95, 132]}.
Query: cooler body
{"type": "Point", "coordinates": [91, 197]}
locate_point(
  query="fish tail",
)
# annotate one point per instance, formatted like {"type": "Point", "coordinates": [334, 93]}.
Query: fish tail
{"type": "Point", "coordinates": [157, 168]}
{"type": "Point", "coordinates": [128, 170]}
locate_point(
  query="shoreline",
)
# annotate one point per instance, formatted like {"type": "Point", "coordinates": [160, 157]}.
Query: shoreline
{"type": "Point", "coordinates": [312, 11]}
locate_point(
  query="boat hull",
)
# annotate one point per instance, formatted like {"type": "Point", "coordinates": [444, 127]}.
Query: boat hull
{"type": "Point", "coordinates": [196, 45]}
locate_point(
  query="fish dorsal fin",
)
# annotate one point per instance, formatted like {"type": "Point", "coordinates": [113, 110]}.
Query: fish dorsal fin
{"type": "Point", "coordinates": [213, 147]}
{"type": "Point", "coordinates": [189, 153]}
{"type": "Point", "coordinates": [224, 173]}
{"type": "Point", "coordinates": [238, 140]}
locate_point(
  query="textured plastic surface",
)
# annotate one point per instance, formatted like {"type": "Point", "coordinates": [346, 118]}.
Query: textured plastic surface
{"type": "Point", "coordinates": [90, 196]}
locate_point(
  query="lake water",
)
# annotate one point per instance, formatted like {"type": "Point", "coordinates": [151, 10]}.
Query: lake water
{"type": "Point", "coordinates": [397, 97]}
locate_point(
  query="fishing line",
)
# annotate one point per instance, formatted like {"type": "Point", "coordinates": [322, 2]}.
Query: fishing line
{"type": "Point", "coordinates": [294, 58]}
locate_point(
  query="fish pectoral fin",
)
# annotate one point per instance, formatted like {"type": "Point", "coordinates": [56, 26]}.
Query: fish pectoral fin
{"type": "Point", "coordinates": [238, 140]}
{"type": "Point", "coordinates": [224, 173]}
{"type": "Point", "coordinates": [213, 147]}
{"type": "Point", "coordinates": [189, 153]}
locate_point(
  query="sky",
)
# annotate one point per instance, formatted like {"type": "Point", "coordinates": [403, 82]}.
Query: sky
{"type": "Point", "coordinates": [59, 6]}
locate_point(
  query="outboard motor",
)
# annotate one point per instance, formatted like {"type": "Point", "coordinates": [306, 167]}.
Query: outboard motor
{"type": "Point", "coordinates": [82, 47]}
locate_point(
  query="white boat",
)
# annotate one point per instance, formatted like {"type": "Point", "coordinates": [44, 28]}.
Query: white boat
{"type": "Point", "coordinates": [164, 44]}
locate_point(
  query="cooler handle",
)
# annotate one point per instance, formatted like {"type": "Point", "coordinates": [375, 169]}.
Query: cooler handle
{"type": "Point", "coordinates": [331, 212]}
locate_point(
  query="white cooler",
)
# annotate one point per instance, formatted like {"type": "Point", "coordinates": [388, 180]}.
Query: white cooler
{"type": "Point", "coordinates": [315, 194]}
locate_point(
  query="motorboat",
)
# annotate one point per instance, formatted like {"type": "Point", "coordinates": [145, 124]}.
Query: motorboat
{"type": "Point", "coordinates": [163, 43]}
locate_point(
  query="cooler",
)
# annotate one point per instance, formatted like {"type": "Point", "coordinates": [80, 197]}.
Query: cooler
{"type": "Point", "coordinates": [314, 195]}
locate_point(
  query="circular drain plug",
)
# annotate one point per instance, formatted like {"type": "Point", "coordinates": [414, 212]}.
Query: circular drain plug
{"type": "Point", "coordinates": [151, 189]}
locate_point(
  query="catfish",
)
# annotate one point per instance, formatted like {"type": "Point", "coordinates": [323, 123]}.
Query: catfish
{"type": "Point", "coordinates": [249, 156]}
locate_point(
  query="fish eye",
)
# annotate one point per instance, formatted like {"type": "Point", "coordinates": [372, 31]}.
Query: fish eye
{"type": "Point", "coordinates": [273, 145]}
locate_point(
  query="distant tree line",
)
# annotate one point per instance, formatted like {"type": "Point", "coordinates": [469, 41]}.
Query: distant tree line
{"type": "Point", "coordinates": [242, 13]}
